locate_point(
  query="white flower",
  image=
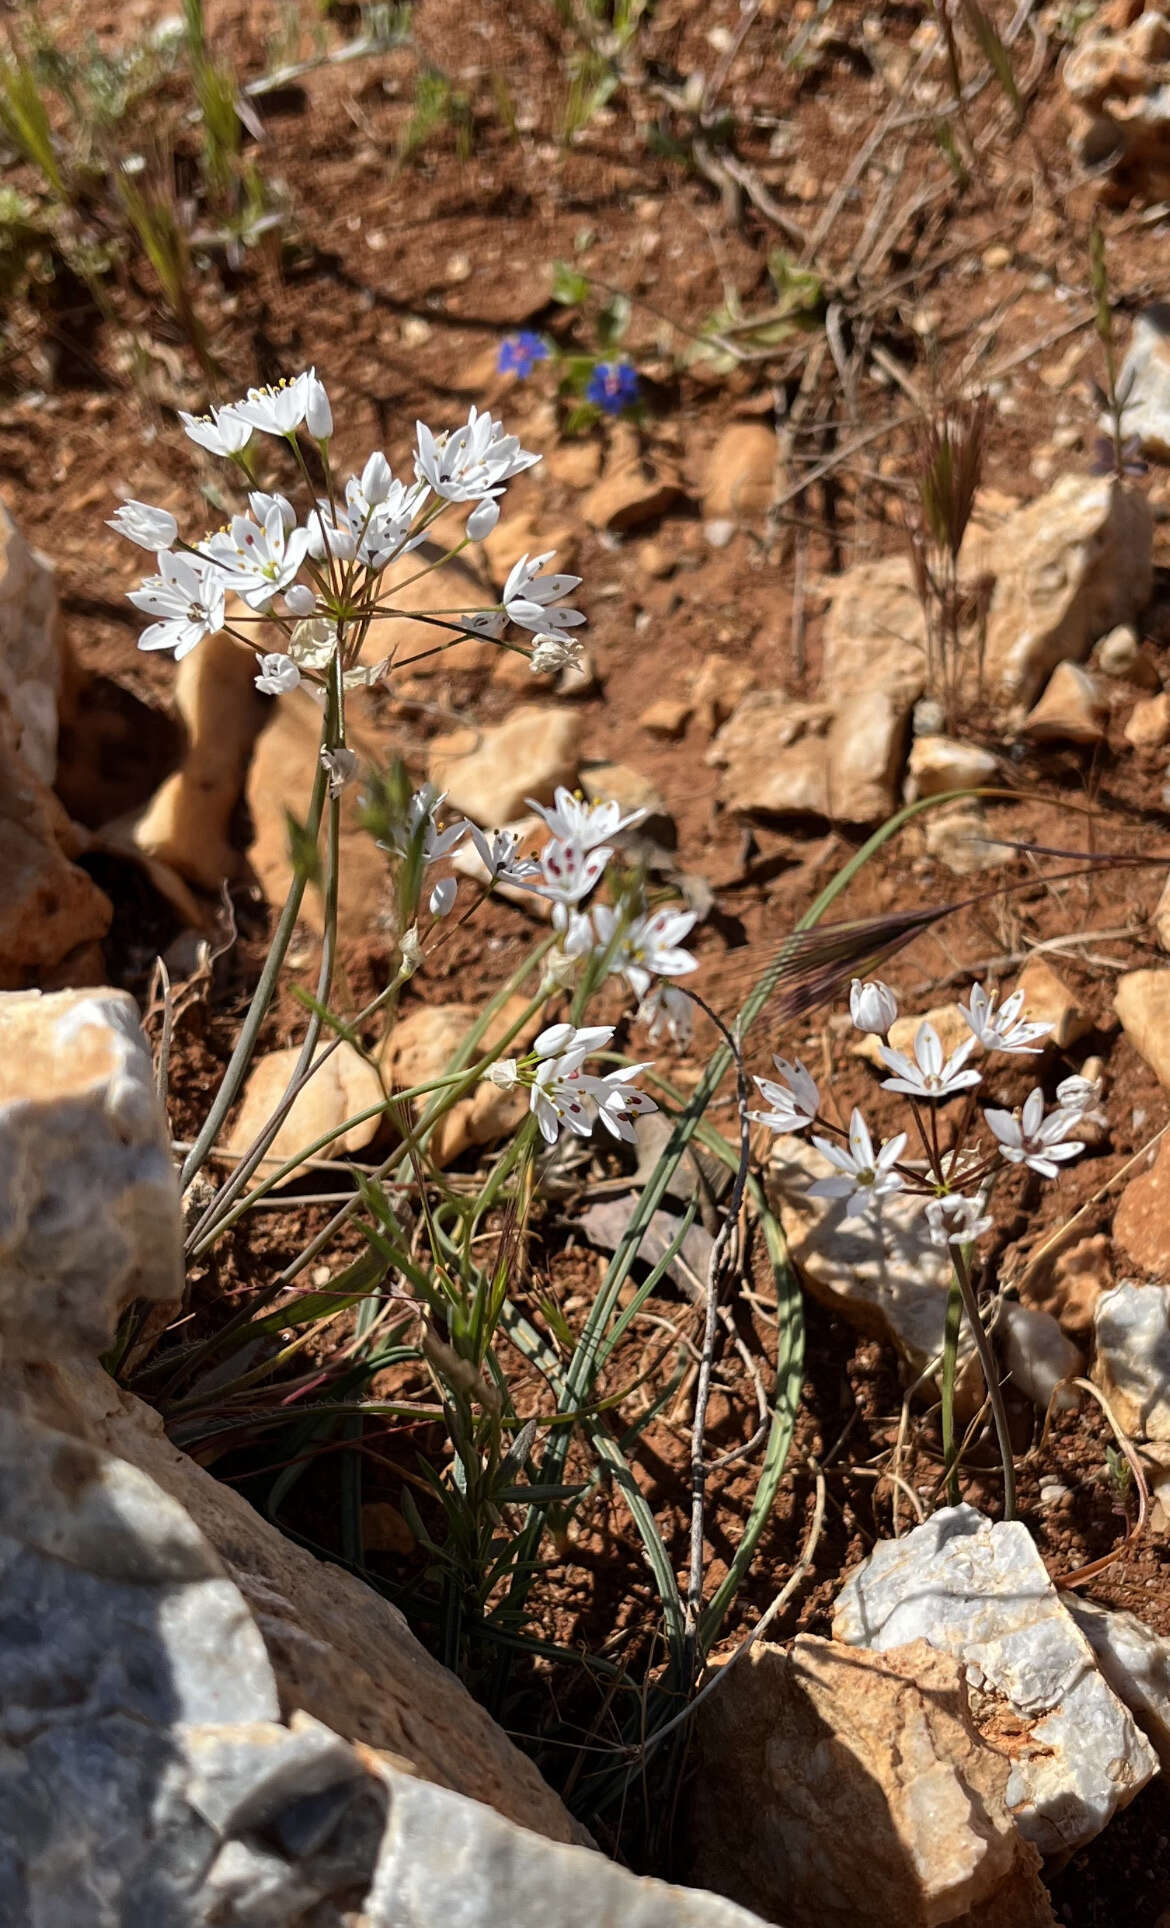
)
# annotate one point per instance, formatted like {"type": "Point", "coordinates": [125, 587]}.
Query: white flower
{"type": "Point", "coordinates": [572, 820]}
{"type": "Point", "coordinates": [570, 872]}
{"type": "Point", "coordinates": [556, 652]}
{"type": "Point", "coordinates": [485, 622]}
{"type": "Point", "coordinates": [649, 947]}
{"type": "Point", "coordinates": [527, 595]}
{"type": "Point", "coordinates": [442, 897]}
{"type": "Point", "coordinates": [872, 1006]}
{"type": "Point", "coordinates": [862, 1175]}
{"type": "Point", "coordinates": [375, 529]}
{"type": "Point", "coordinates": [667, 1009]}
{"type": "Point", "coordinates": [503, 1073]}
{"type": "Point", "coordinates": [1004, 1030]}
{"type": "Point", "coordinates": [956, 1220]}
{"type": "Point", "coordinates": [928, 1076]}
{"type": "Point", "coordinates": [259, 501]}
{"type": "Point", "coordinates": [149, 527]}
{"type": "Point", "coordinates": [341, 766]}
{"type": "Point", "coordinates": [482, 521]}
{"type": "Point", "coordinates": [318, 414]}
{"type": "Point", "coordinates": [618, 1102]}
{"type": "Point", "coordinates": [497, 853]}
{"type": "Point", "coordinates": [223, 432]}
{"type": "Point", "coordinates": [300, 600]}
{"type": "Point", "coordinates": [187, 596]}
{"type": "Point", "coordinates": [278, 409]}
{"type": "Point", "coordinates": [795, 1100]}
{"type": "Point", "coordinates": [421, 827]}
{"type": "Point", "coordinates": [1032, 1139]}
{"type": "Point", "coordinates": [278, 674]}
{"type": "Point", "coordinates": [471, 462]}
{"type": "Point", "coordinates": [257, 560]}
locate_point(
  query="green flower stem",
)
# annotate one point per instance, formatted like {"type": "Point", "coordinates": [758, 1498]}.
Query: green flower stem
{"type": "Point", "coordinates": [954, 1320]}
{"type": "Point", "coordinates": [987, 1360]}
{"type": "Point", "coordinates": [262, 996]}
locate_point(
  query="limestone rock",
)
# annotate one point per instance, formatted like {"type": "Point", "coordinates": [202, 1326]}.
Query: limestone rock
{"type": "Point", "coordinates": [1070, 1286]}
{"type": "Point", "coordinates": [1068, 567]}
{"type": "Point", "coordinates": [939, 763]}
{"type": "Point", "coordinates": [345, 1085]}
{"type": "Point", "coordinates": [188, 821]}
{"type": "Point", "coordinates": [487, 774]}
{"type": "Point", "coordinates": [1071, 710]}
{"type": "Point", "coordinates": [881, 1273]}
{"type": "Point", "coordinates": [741, 474]}
{"type": "Point", "coordinates": [873, 1798]}
{"type": "Point", "coordinates": [89, 1204]}
{"type": "Point", "coordinates": [1121, 120]}
{"type": "Point", "coordinates": [980, 1592]}
{"type": "Point", "coordinates": [30, 650]}
{"type": "Point", "coordinates": [1144, 376]}
{"type": "Point", "coordinates": [448, 1860]}
{"type": "Point", "coordinates": [1148, 725]}
{"type": "Point", "coordinates": [1161, 917]}
{"type": "Point", "coordinates": [634, 489]}
{"type": "Point", "coordinates": [720, 684]}
{"type": "Point", "coordinates": [1141, 1223]}
{"type": "Point", "coordinates": [875, 635]}
{"type": "Point", "coordinates": [959, 836]}
{"type": "Point", "coordinates": [422, 1046]}
{"type": "Point", "coordinates": [1132, 1327]}
{"type": "Point", "coordinates": [1118, 653]}
{"type": "Point", "coordinates": [782, 757]}
{"type": "Point", "coordinates": [1037, 1354]}
{"type": "Point", "coordinates": [1135, 1661]}
{"type": "Point", "coordinates": [51, 909]}
{"type": "Point", "coordinates": [337, 1650]}
{"type": "Point", "coordinates": [1049, 1000]}
{"type": "Point", "coordinates": [1142, 1002]}
{"type": "Point", "coordinates": [667, 716]}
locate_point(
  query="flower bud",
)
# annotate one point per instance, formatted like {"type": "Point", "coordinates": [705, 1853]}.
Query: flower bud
{"type": "Point", "coordinates": [872, 1005]}
{"type": "Point", "coordinates": [482, 520]}
{"type": "Point", "coordinates": [442, 898]}
{"type": "Point", "coordinates": [299, 600]}
{"type": "Point", "coordinates": [376, 478]}
{"type": "Point", "coordinates": [318, 414]}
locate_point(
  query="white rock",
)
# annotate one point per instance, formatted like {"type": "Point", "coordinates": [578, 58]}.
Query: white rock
{"type": "Point", "coordinates": [1135, 1661]}
{"type": "Point", "coordinates": [1117, 653]}
{"type": "Point", "coordinates": [89, 1203]}
{"type": "Point", "coordinates": [1144, 381]}
{"type": "Point", "coordinates": [1132, 1325]}
{"type": "Point", "coordinates": [1037, 1354]}
{"type": "Point", "coordinates": [939, 763]}
{"type": "Point", "coordinates": [981, 1591]}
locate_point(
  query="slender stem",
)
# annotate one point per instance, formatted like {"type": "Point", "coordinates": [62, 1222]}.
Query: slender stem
{"type": "Point", "coordinates": [334, 734]}
{"type": "Point", "coordinates": [987, 1360]}
{"type": "Point", "coordinates": [954, 1320]}
{"type": "Point", "coordinates": [262, 996]}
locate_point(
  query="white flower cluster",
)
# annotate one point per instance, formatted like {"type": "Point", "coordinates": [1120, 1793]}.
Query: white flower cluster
{"type": "Point", "coordinates": [327, 567]}
{"type": "Point", "coordinates": [563, 1096]}
{"type": "Point", "coordinates": [956, 1182]}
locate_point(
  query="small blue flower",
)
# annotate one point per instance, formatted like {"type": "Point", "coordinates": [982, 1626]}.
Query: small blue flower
{"type": "Point", "coordinates": [519, 353]}
{"type": "Point", "coordinates": [612, 387]}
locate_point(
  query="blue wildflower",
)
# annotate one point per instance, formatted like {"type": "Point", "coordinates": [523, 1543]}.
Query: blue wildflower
{"type": "Point", "coordinates": [519, 353]}
{"type": "Point", "coordinates": [612, 387]}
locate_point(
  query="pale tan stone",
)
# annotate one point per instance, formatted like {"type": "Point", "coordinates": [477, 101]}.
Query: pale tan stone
{"type": "Point", "coordinates": [488, 774]}
{"type": "Point", "coordinates": [947, 1019]}
{"type": "Point", "coordinates": [720, 685]}
{"type": "Point", "coordinates": [774, 757]}
{"type": "Point", "coordinates": [1141, 1223]}
{"type": "Point", "coordinates": [89, 1204]}
{"type": "Point", "coordinates": [872, 1796]}
{"type": "Point", "coordinates": [1049, 1000]}
{"type": "Point", "coordinates": [1068, 567]}
{"type": "Point", "coordinates": [634, 489]}
{"type": "Point", "coordinates": [1142, 1002]}
{"type": "Point", "coordinates": [741, 474]}
{"type": "Point", "coordinates": [940, 763]}
{"type": "Point", "coordinates": [1148, 724]}
{"type": "Point", "coordinates": [1071, 1284]}
{"type": "Point", "coordinates": [667, 716]}
{"type": "Point", "coordinates": [1071, 710]}
{"type": "Point", "coordinates": [345, 1085]}
{"type": "Point", "coordinates": [875, 634]}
